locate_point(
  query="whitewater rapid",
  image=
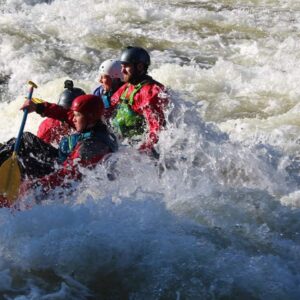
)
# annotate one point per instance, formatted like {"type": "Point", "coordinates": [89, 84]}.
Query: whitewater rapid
{"type": "Point", "coordinates": [218, 215]}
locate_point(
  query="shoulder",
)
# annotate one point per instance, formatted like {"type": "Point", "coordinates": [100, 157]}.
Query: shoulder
{"type": "Point", "coordinates": [152, 89]}
{"type": "Point", "coordinates": [98, 91]}
{"type": "Point", "coordinates": [153, 82]}
{"type": "Point", "coordinates": [153, 85]}
{"type": "Point", "coordinates": [49, 122]}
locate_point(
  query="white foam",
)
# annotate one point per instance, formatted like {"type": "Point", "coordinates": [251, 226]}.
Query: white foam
{"type": "Point", "coordinates": [217, 215]}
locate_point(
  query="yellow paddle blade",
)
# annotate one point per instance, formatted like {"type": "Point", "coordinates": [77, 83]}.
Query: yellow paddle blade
{"type": "Point", "coordinates": [36, 100]}
{"type": "Point", "coordinates": [10, 178]}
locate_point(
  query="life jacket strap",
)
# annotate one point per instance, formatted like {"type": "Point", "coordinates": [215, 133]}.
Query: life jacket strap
{"type": "Point", "coordinates": [137, 87]}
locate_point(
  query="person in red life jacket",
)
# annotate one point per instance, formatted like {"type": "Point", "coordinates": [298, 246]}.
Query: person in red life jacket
{"type": "Point", "coordinates": [91, 144]}
{"type": "Point", "coordinates": [110, 79]}
{"type": "Point", "coordinates": [52, 130]}
{"type": "Point", "coordinates": [138, 106]}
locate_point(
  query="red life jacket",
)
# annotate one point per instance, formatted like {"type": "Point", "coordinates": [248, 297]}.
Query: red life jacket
{"type": "Point", "coordinates": [149, 102]}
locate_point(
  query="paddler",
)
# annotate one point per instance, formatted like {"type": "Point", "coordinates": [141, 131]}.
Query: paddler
{"type": "Point", "coordinates": [110, 79]}
{"type": "Point", "coordinates": [44, 166]}
{"type": "Point", "coordinates": [137, 107]}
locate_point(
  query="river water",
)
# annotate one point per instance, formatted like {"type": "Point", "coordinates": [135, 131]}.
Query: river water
{"type": "Point", "coordinates": [218, 216]}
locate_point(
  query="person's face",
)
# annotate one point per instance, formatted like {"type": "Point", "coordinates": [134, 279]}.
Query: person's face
{"type": "Point", "coordinates": [132, 72]}
{"type": "Point", "coordinates": [128, 71]}
{"type": "Point", "coordinates": [106, 82]}
{"type": "Point", "coordinates": [80, 121]}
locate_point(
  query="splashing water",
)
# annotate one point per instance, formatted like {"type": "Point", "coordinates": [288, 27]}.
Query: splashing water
{"type": "Point", "coordinates": [217, 216]}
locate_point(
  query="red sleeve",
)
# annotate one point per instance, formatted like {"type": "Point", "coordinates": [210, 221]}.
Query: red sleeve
{"type": "Point", "coordinates": [154, 128]}
{"type": "Point", "coordinates": [81, 156]}
{"type": "Point", "coordinates": [152, 108]}
{"type": "Point", "coordinates": [57, 112]}
{"type": "Point", "coordinates": [69, 171]}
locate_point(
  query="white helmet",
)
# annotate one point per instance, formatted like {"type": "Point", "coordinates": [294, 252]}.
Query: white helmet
{"type": "Point", "coordinates": [111, 68]}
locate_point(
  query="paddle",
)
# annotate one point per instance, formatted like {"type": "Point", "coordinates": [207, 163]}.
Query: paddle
{"type": "Point", "coordinates": [10, 173]}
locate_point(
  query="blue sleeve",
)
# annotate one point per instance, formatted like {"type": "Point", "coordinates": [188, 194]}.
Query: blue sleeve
{"type": "Point", "coordinates": [98, 91]}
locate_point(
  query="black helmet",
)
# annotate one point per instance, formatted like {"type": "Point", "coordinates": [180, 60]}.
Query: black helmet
{"type": "Point", "coordinates": [69, 94]}
{"type": "Point", "coordinates": [135, 55]}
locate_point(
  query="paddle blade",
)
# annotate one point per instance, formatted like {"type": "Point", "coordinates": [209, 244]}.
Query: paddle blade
{"type": "Point", "coordinates": [10, 179]}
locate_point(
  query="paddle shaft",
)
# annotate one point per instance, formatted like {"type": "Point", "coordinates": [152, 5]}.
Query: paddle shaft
{"type": "Point", "coordinates": [19, 137]}
{"type": "Point", "coordinates": [10, 173]}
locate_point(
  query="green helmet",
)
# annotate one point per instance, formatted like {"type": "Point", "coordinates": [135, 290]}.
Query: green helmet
{"type": "Point", "coordinates": [69, 94]}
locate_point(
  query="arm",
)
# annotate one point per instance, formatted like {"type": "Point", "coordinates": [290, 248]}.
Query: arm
{"type": "Point", "coordinates": [153, 113]}
{"type": "Point", "coordinates": [68, 171]}
{"type": "Point", "coordinates": [51, 110]}
{"type": "Point", "coordinates": [154, 128]}
{"type": "Point", "coordinates": [86, 154]}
